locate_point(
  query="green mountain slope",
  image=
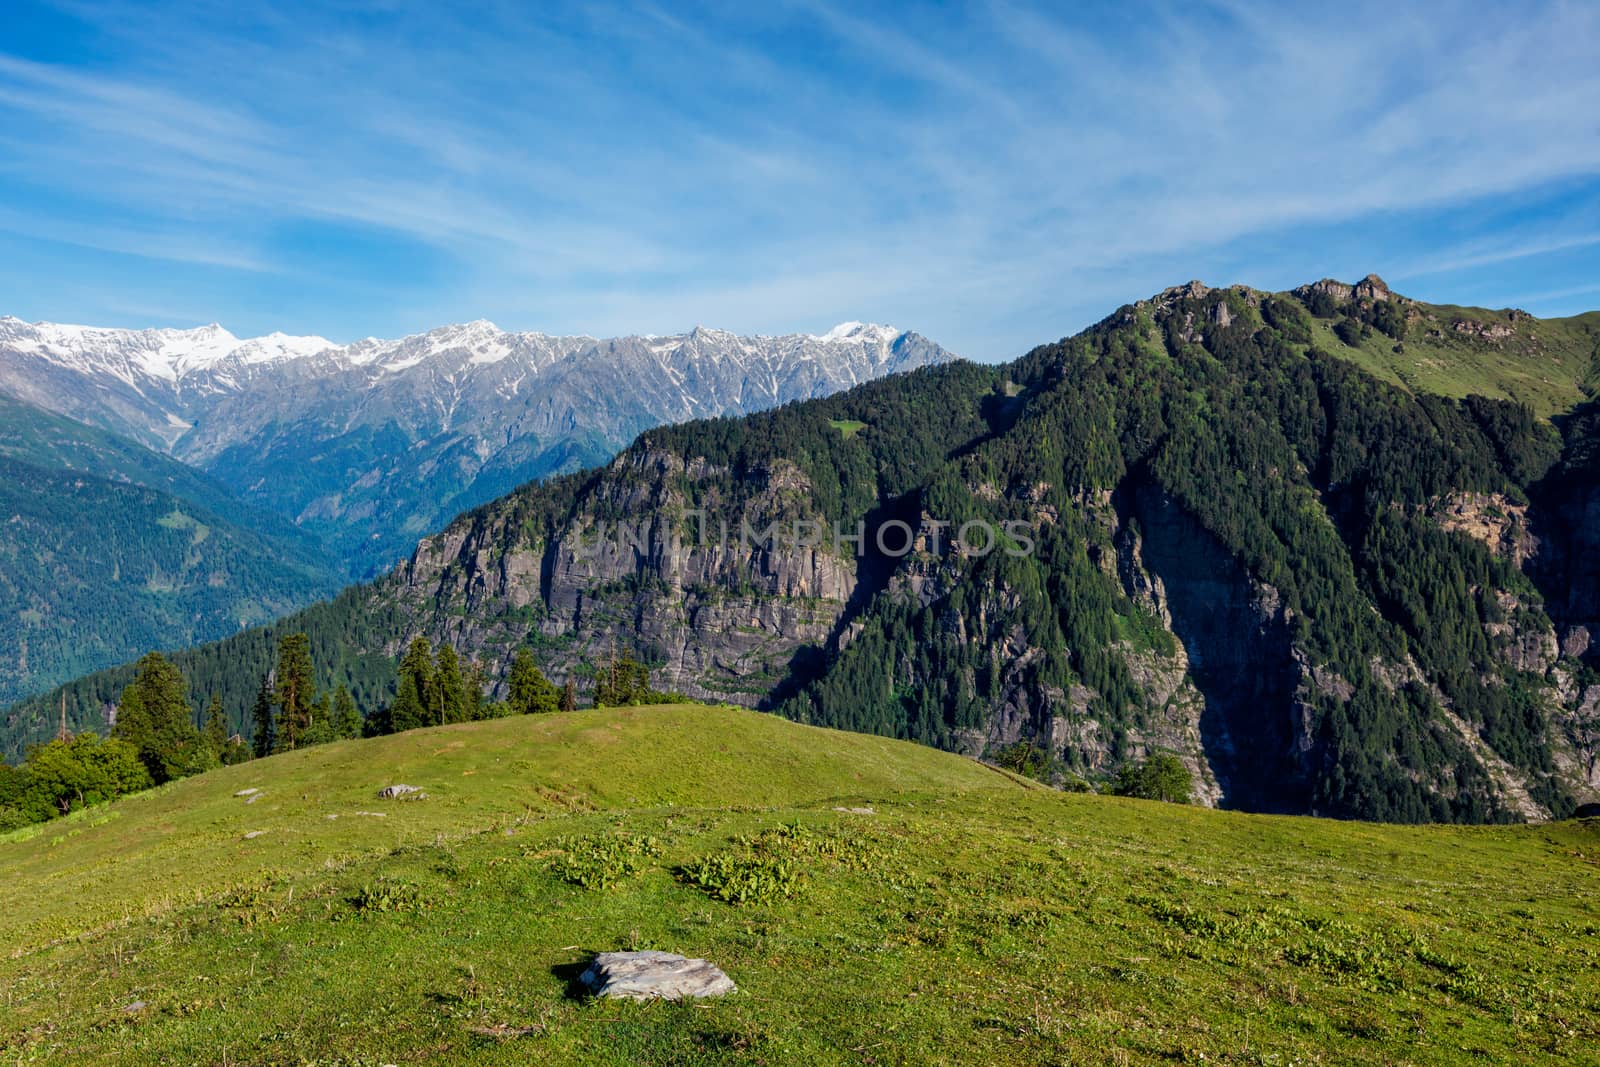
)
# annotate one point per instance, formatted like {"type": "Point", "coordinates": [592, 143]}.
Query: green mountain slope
{"type": "Point", "coordinates": [955, 916]}
{"type": "Point", "coordinates": [1548, 364]}
{"type": "Point", "coordinates": [110, 549]}
{"type": "Point", "coordinates": [1324, 590]}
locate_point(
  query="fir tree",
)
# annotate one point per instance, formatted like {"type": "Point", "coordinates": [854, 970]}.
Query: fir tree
{"type": "Point", "coordinates": [407, 712]}
{"type": "Point", "coordinates": [531, 692]}
{"type": "Point", "coordinates": [215, 731]}
{"type": "Point", "coordinates": [449, 691]}
{"type": "Point", "coordinates": [346, 716]}
{"type": "Point", "coordinates": [569, 694]}
{"type": "Point", "coordinates": [476, 681]}
{"type": "Point", "coordinates": [296, 693]}
{"type": "Point", "coordinates": [320, 732]}
{"type": "Point", "coordinates": [416, 667]}
{"type": "Point", "coordinates": [154, 717]}
{"type": "Point", "coordinates": [261, 717]}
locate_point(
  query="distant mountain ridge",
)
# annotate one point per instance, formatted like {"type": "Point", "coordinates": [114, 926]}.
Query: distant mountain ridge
{"type": "Point", "coordinates": [370, 445]}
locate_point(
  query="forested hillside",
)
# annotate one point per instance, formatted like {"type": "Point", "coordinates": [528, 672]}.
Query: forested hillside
{"type": "Point", "coordinates": [110, 550]}
{"type": "Point", "coordinates": [1226, 533]}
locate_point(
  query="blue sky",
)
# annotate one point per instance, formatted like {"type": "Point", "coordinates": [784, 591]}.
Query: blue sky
{"type": "Point", "coordinates": [993, 175]}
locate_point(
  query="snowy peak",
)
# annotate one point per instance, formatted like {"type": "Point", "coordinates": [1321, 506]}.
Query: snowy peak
{"type": "Point", "coordinates": [167, 355]}
{"type": "Point", "coordinates": [211, 359]}
{"type": "Point", "coordinates": [860, 331]}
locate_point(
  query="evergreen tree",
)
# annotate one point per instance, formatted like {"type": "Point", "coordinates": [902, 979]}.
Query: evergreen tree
{"type": "Point", "coordinates": [346, 716]}
{"type": "Point", "coordinates": [261, 717]}
{"type": "Point", "coordinates": [154, 717]}
{"type": "Point", "coordinates": [569, 694]}
{"type": "Point", "coordinates": [407, 712]}
{"type": "Point", "coordinates": [531, 692]}
{"type": "Point", "coordinates": [415, 690]}
{"type": "Point", "coordinates": [449, 690]}
{"type": "Point", "coordinates": [622, 681]}
{"type": "Point", "coordinates": [296, 692]}
{"type": "Point", "coordinates": [215, 731]}
{"type": "Point", "coordinates": [320, 732]}
{"type": "Point", "coordinates": [474, 679]}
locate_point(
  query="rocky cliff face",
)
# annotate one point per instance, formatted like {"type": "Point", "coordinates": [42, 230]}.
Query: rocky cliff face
{"type": "Point", "coordinates": [721, 617]}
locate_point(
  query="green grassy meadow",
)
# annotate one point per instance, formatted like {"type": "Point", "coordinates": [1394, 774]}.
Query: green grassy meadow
{"type": "Point", "coordinates": [1550, 364]}
{"type": "Point", "coordinates": [967, 917]}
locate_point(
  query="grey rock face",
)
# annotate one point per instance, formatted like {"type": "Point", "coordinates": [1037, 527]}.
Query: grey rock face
{"type": "Point", "coordinates": [654, 976]}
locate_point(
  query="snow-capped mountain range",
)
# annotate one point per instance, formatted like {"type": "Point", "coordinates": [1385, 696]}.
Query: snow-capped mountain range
{"type": "Point", "coordinates": [374, 443]}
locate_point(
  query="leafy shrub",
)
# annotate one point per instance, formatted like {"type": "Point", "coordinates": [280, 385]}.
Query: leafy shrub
{"type": "Point", "coordinates": [388, 896]}
{"type": "Point", "coordinates": [774, 863]}
{"type": "Point", "coordinates": [844, 847]}
{"type": "Point", "coordinates": [1160, 777]}
{"type": "Point", "coordinates": [745, 879]}
{"type": "Point", "coordinates": [1322, 304]}
{"type": "Point", "coordinates": [1352, 332]}
{"type": "Point", "coordinates": [602, 861]}
{"type": "Point", "coordinates": [1025, 758]}
{"type": "Point", "coordinates": [1285, 316]}
{"type": "Point", "coordinates": [1389, 317]}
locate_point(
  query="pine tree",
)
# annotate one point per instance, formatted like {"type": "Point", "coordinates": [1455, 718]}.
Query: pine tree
{"type": "Point", "coordinates": [450, 691]}
{"type": "Point", "coordinates": [621, 681]}
{"type": "Point", "coordinates": [266, 730]}
{"type": "Point", "coordinates": [407, 712]}
{"type": "Point", "coordinates": [473, 681]}
{"type": "Point", "coordinates": [296, 693]}
{"type": "Point", "coordinates": [216, 728]}
{"type": "Point", "coordinates": [531, 692]}
{"type": "Point", "coordinates": [320, 732]}
{"type": "Point", "coordinates": [346, 716]}
{"type": "Point", "coordinates": [154, 717]}
{"type": "Point", "coordinates": [416, 670]}
{"type": "Point", "coordinates": [569, 694]}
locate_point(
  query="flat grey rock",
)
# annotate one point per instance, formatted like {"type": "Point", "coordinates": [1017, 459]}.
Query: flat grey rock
{"type": "Point", "coordinates": [654, 976]}
{"type": "Point", "coordinates": [389, 792]}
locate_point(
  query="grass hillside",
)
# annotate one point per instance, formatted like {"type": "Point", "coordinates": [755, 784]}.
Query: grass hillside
{"type": "Point", "coordinates": [1548, 364]}
{"type": "Point", "coordinates": [956, 916]}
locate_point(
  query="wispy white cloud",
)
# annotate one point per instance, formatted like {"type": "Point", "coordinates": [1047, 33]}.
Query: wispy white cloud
{"type": "Point", "coordinates": [992, 175]}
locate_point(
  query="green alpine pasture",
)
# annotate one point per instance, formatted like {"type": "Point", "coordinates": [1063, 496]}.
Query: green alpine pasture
{"type": "Point", "coordinates": [876, 902]}
{"type": "Point", "coordinates": [1548, 364]}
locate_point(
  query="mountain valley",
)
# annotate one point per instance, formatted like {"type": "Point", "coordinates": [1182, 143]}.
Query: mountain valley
{"type": "Point", "coordinates": [1324, 590]}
